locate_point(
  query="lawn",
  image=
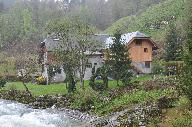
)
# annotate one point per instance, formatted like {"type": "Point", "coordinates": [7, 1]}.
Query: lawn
{"type": "Point", "coordinates": [60, 88]}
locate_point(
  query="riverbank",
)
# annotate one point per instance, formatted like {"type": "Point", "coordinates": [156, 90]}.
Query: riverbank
{"type": "Point", "coordinates": [50, 102]}
{"type": "Point", "coordinates": [138, 104]}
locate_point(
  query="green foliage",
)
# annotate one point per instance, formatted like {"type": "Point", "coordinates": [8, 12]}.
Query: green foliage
{"type": "Point", "coordinates": [2, 82]}
{"type": "Point", "coordinates": [185, 121]}
{"type": "Point", "coordinates": [71, 83]}
{"type": "Point", "coordinates": [119, 60]}
{"type": "Point", "coordinates": [74, 35]}
{"type": "Point", "coordinates": [128, 99]}
{"type": "Point", "coordinates": [173, 67]}
{"type": "Point", "coordinates": [154, 21]}
{"type": "Point", "coordinates": [184, 103]}
{"type": "Point", "coordinates": [160, 83]}
{"type": "Point", "coordinates": [85, 100]}
{"type": "Point", "coordinates": [158, 67]}
{"type": "Point", "coordinates": [173, 47]}
{"type": "Point", "coordinates": [102, 72]}
{"type": "Point", "coordinates": [186, 78]}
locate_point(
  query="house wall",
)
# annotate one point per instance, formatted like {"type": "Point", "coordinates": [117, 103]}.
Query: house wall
{"type": "Point", "coordinates": [139, 57]}
{"type": "Point", "coordinates": [141, 68]}
{"type": "Point", "coordinates": [95, 59]}
{"type": "Point", "coordinates": [136, 52]}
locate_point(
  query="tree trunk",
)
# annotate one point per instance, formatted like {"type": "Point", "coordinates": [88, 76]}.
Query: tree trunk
{"type": "Point", "coordinates": [117, 82]}
{"type": "Point", "coordinates": [26, 88]}
{"type": "Point", "coordinates": [106, 83]}
{"type": "Point", "coordinates": [82, 82]}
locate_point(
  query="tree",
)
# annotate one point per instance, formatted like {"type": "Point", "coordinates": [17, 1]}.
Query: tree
{"type": "Point", "coordinates": [173, 48]}
{"type": "Point", "coordinates": [186, 79]}
{"type": "Point", "coordinates": [119, 60]}
{"type": "Point", "coordinates": [76, 43]}
{"type": "Point", "coordinates": [103, 73]}
{"type": "Point", "coordinates": [27, 65]}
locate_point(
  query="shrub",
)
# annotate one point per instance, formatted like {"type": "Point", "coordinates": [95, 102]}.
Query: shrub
{"type": "Point", "coordinates": [2, 82]}
{"type": "Point", "coordinates": [158, 67]}
{"type": "Point", "coordinates": [173, 67]}
{"type": "Point", "coordinates": [85, 100]}
{"type": "Point", "coordinates": [12, 78]}
{"type": "Point", "coordinates": [161, 83]}
{"type": "Point", "coordinates": [102, 73]}
{"type": "Point", "coordinates": [185, 121]}
{"type": "Point", "coordinates": [186, 81]}
{"type": "Point", "coordinates": [184, 103]}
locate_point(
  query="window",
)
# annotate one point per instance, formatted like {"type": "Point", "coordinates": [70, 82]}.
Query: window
{"type": "Point", "coordinates": [147, 64]}
{"type": "Point", "coordinates": [59, 70]}
{"type": "Point", "coordinates": [146, 50]}
{"type": "Point", "coordinates": [138, 42]}
{"type": "Point", "coordinates": [89, 65]}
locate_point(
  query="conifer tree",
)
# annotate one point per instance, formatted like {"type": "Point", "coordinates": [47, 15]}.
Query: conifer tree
{"type": "Point", "coordinates": [173, 45]}
{"type": "Point", "coordinates": [119, 60]}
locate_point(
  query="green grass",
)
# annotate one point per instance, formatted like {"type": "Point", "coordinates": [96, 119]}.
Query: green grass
{"type": "Point", "coordinates": [38, 89]}
{"type": "Point", "coordinates": [142, 78]}
{"type": "Point", "coordinates": [129, 99]}
{"type": "Point", "coordinates": [60, 88]}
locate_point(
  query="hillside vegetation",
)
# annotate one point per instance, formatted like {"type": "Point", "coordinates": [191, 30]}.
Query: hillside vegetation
{"type": "Point", "coordinates": [154, 21]}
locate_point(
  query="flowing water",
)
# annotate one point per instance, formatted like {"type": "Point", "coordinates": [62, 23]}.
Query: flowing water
{"type": "Point", "coordinates": [14, 114]}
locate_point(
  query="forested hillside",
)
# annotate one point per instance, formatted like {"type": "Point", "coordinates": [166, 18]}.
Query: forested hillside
{"type": "Point", "coordinates": [154, 21]}
{"type": "Point", "coordinates": [24, 21]}
{"type": "Point", "coordinates": [5, 4]}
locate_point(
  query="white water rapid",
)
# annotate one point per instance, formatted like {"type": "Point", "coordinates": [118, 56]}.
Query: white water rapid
{"type": "Point", "coordinates": [13, 114]}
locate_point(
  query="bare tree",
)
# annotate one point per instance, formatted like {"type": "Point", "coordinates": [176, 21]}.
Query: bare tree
{"type": "Point", "coordinates": [27, 65]}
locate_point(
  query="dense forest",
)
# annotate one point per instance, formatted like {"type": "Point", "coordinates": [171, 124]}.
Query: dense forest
{"type": "Point", "coordinates": [25, 20]}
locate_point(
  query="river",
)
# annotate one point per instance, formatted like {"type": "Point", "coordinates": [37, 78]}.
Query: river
{"type": "Point", "coordinates": [13, 114]}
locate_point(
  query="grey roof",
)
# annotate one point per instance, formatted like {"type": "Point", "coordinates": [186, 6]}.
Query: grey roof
{"type": "Point", "coordinates": [106, 40]}
{"type": "Point", "coordinates": [53, 44]}
{"type": "Point", "coordinates": [126, 38]}
{"type": "Point", "coordinates": [129, 36]}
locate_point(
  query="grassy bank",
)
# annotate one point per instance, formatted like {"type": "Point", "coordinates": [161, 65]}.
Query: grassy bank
{"type": "Point", "coordinates": [161, 90]}
{"type": "Point", "coordinates": [60, 88]}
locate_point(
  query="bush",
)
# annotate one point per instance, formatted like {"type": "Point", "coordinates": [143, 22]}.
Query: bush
{"type": "Point", "coordinates": [12, 78]}
{"type": "Point", "coordinates": [185, 121]}
{"type": "Point", "coordinates": [85, 100]}
{"type": "Point", "coordinates": [173, 67]}
{"type": "Point", "coordinates": [186, 82]}
{"type": "Point", "coordinates": [161, 83]}
{"type": "Point", "coordinates": [184, 103]}
{"type": "Point", "coordinates": [158, 67]}
{"type": "Point", "coordinates": [2, 82]}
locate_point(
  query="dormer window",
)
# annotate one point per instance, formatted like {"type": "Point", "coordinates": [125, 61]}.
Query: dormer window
{"type": "Point", "coordinates": [138, 42]}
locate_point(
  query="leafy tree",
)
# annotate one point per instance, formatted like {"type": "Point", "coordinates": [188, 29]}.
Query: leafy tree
{"type": "Point", "coordinates": [119, 60]}
{"type": "Point", "coordinates": [173, 48]}
{"type": "Point", "coordinates": [76, 43]}
{"type": "Point", "coordinates": [186, 79]}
